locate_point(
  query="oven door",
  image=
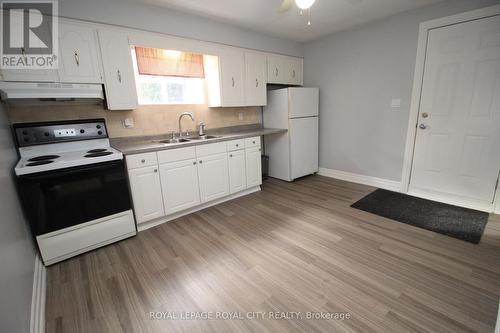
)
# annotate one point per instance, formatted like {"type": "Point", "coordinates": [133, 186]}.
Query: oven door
{"type": "Point", "coordinates": [63, 198]}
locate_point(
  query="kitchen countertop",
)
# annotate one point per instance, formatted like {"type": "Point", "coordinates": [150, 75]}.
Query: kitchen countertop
{"type": "Point", "coordinates": [145, 144]}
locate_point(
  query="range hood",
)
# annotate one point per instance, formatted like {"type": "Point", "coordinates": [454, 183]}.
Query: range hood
{"type": "Point", "coordinates": [42, 90]}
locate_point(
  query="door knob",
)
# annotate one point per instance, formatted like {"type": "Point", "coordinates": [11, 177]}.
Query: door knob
{"type": "Point", "coordinates": [425, 115]}
{"type": "Point", "coordinates": [422, 126]}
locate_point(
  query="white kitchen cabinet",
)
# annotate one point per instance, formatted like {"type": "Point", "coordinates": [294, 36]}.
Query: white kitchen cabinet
{"type": "Point", "coordinates": [32, 75]}
{"type": "Point", "coordinates": [255, 79]}
{"type": "Point", "coordinates": [253, 166]}
{"type": "Point", "coordinates": [180, 186]}
{"type": "Point", "coordinates": [225, 76]}
{"type": "Point", "coordinates": [237, 171]}
{"type": "Point", "coordinates": [119, 81]}
{"type": "Point", "coordinates": [146, 193]}
{"type": "Point", "coordinates": [284, 70]}
{"type": "Point", "coordinates": [78, 54]}
{"type": "Point", "coordinates": [213, 176]}
{"type": "Point", "coordinates": [232, 77]}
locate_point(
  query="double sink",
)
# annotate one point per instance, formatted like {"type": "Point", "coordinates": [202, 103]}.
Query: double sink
{"type": "Point", "coordinates": [189, 139]}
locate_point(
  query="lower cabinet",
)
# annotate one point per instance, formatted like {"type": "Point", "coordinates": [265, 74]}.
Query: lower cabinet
{"type": "Point", "coordinates": [180, 187]}
{"type": "Point", "coordinates": [146, 193]}
{"type": "Point", "coordinates": [253, 166]}
{"type": "Point", "coordinates": [237, 171]}
{"type": "Point", "coordinates": [175, 180]}
{"type": "Point", "coordinates": [213, 177]}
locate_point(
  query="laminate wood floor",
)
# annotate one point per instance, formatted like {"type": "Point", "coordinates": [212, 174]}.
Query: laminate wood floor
{"type": "Point", "coordinates": [293, 247]}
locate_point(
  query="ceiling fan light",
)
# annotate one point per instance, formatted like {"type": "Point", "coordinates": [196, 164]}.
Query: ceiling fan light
{"type": "Point", "coordinates": [304, 4]}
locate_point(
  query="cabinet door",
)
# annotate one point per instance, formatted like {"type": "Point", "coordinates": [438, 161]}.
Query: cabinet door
{"type": "Point", "coordinates": [33, 75]}
{"type": "Point", "coordinates": [253, 166]}
{"type": "Point", "coordinates": [213, 176]}
{"type": "Point", "coordinates": [78, 56]}
{"type": "Point", "coordinates": [293, 71]}
{"type": "Point", "coordinates": [275, 69]}
{"type": "Point", "coordinates": [232, 74]}
{"type": "Point", "coordinates": [237, 171]}
{"type": "Point", "coordinates": [119, 82]}
{"type": "Point", "coordinates": [146, 193]}
{"type": "Point", "coordinates": [255, 79]}
{"type": "Point", "coordinates": [179, 182]}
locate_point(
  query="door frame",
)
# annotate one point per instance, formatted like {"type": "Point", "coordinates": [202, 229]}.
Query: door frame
{"type": "Point", "coordinates": [418, 76]}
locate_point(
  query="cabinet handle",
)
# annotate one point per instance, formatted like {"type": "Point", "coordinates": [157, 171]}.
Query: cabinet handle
{"type": "Point", "coordinates": [232, 78]}
{"type": "Point", "coordinates": [230, 155]}
{"type": "Point", "coordinates": [77, 58]}
{"type": "Point", "coordinates": [259, 149]}
{"type": "Point", "coordinates": [253, 142]}
{"type": "Point", "coordinates": [194, 163]}
{"type": "Point", "coordinates": [143, 161]}
{"type": "Point", "coordinates": [276, 71]}
{"type": "Point", "coordinates": [293, 74]}
{"type": "Point", "coordinates": [201, 161]}
{"type": "Point", "coordinates": [237, 145]}
{"type": "Point", "coordinates": [156, 170]}
{"type": "Point", "coordinates": [256, 83]}
{"type": "Point", "coordinates": [119, 74]}
{"type": "Point", "coordinates": [23, 52]}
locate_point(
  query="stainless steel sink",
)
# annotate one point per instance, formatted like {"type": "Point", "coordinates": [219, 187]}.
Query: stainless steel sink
{"type": "Point", "coordinates": [176, 140]}
{"type": "Point", "coordinates": [205, 137]}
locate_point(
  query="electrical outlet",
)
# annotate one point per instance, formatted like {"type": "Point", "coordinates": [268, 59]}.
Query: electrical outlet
{"type": "Point", "coordinates": [396, 103]}
{"type": "Point", "coordinates": [128, 122]}
{"type": "Point", "coordinates": [240, 116]}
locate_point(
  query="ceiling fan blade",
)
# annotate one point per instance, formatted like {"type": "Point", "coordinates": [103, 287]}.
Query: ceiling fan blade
{"type": "Point", "coordinates": [286, 5]}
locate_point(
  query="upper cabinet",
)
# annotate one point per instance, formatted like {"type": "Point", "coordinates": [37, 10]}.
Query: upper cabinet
{"type": "Point", "coordinates": [255, 79]}
{"type": "Point", "coordinates": [284, 70]}
{"type": "Point", "coordinates": [119, 81]}
{"type": "Point", "coordinates": [78, 55]}
{"type": "Point", "coordinates": [225, 78]}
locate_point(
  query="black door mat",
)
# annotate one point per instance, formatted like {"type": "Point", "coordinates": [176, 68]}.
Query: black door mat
{"type": "Point", "coordinates": [462, 223]}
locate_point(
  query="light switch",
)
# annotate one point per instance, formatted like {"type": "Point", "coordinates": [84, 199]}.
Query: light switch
{"type": "Point", "coordinates": [396, 103]}
{"type": "Point", "coordinates": [128, 122]}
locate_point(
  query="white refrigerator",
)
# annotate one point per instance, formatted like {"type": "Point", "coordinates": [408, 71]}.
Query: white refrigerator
{"type": "Point", "coordinates": [295, 153]}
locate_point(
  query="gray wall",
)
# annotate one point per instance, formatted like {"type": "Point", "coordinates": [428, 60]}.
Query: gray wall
{"type": "Point", "coordinates": [135, 15]}
{"type": "Point", "coordinates": [17, 254]}
{"type": "Point", "coordinates": [359, 71]}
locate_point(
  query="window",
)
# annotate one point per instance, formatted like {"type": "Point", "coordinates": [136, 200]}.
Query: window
{"type": "Point", "coordinates": [168, 77]}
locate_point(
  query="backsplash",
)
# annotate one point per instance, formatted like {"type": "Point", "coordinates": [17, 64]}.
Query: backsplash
{"type": "Point", "coordinates": [148, 120]}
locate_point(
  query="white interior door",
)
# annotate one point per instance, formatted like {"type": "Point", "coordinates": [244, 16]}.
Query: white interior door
{"type": "Point", "coordinates": [303, 146]}
{"type": "Point", "coordinates": [457, 148]}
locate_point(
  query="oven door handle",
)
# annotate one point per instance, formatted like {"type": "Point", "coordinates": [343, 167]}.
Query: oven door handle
{"type": "Point", "coordinates": [73, 170]}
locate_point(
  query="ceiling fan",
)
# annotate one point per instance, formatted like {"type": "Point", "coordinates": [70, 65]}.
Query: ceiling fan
{"type": "Point", "coordinates": [286, 5]}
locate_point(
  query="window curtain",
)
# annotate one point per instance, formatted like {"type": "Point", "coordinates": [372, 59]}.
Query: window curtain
{"type": "Point", "coordinates": [151, 61]}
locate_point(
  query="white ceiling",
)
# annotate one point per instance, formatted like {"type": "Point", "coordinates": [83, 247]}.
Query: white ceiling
{"type": "Point", "coordinates": [327, 16]}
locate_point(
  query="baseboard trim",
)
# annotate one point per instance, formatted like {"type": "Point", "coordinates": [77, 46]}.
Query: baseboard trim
{"type": "Point", "coordinates": [386, 184]}
{"type": "Point", "coordinates": [161, 220]}
{"type": "Point", "coordinates": [37, 320]}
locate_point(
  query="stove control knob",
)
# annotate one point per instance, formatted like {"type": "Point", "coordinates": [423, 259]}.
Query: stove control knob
{"type": "Point", "coordinates": [99, 132]}
{"type": "Point", "coordinates": [82, 131]}
{"type": "Point", "coordinates": [98, 126]}
{"type": "Point", "coordinates": [46, 133]}
{"type": "Point", "coordinates": [26, 139]}
{"type": "Point", "coordinates": [25, 132]}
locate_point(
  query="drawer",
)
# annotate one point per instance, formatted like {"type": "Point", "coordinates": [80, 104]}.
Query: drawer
{"type": "Point", "coordinates": [210, 149]}
{"type": "Point", "coordinates": [252, 142]}
{"type": "Point", "coordinates": [235, 145]}
{"type": "Point", "coordinates": [141, 160]}
{"type": "Point", "coordinates": [174, 155]}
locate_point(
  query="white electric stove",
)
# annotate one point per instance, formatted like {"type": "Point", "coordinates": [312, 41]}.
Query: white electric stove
{"type": "Point", "coordinates": [73, 187]}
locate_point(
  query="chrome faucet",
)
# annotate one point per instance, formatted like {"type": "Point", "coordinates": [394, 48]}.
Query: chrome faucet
{"type": "Point", "coordinates": [180, 118]}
